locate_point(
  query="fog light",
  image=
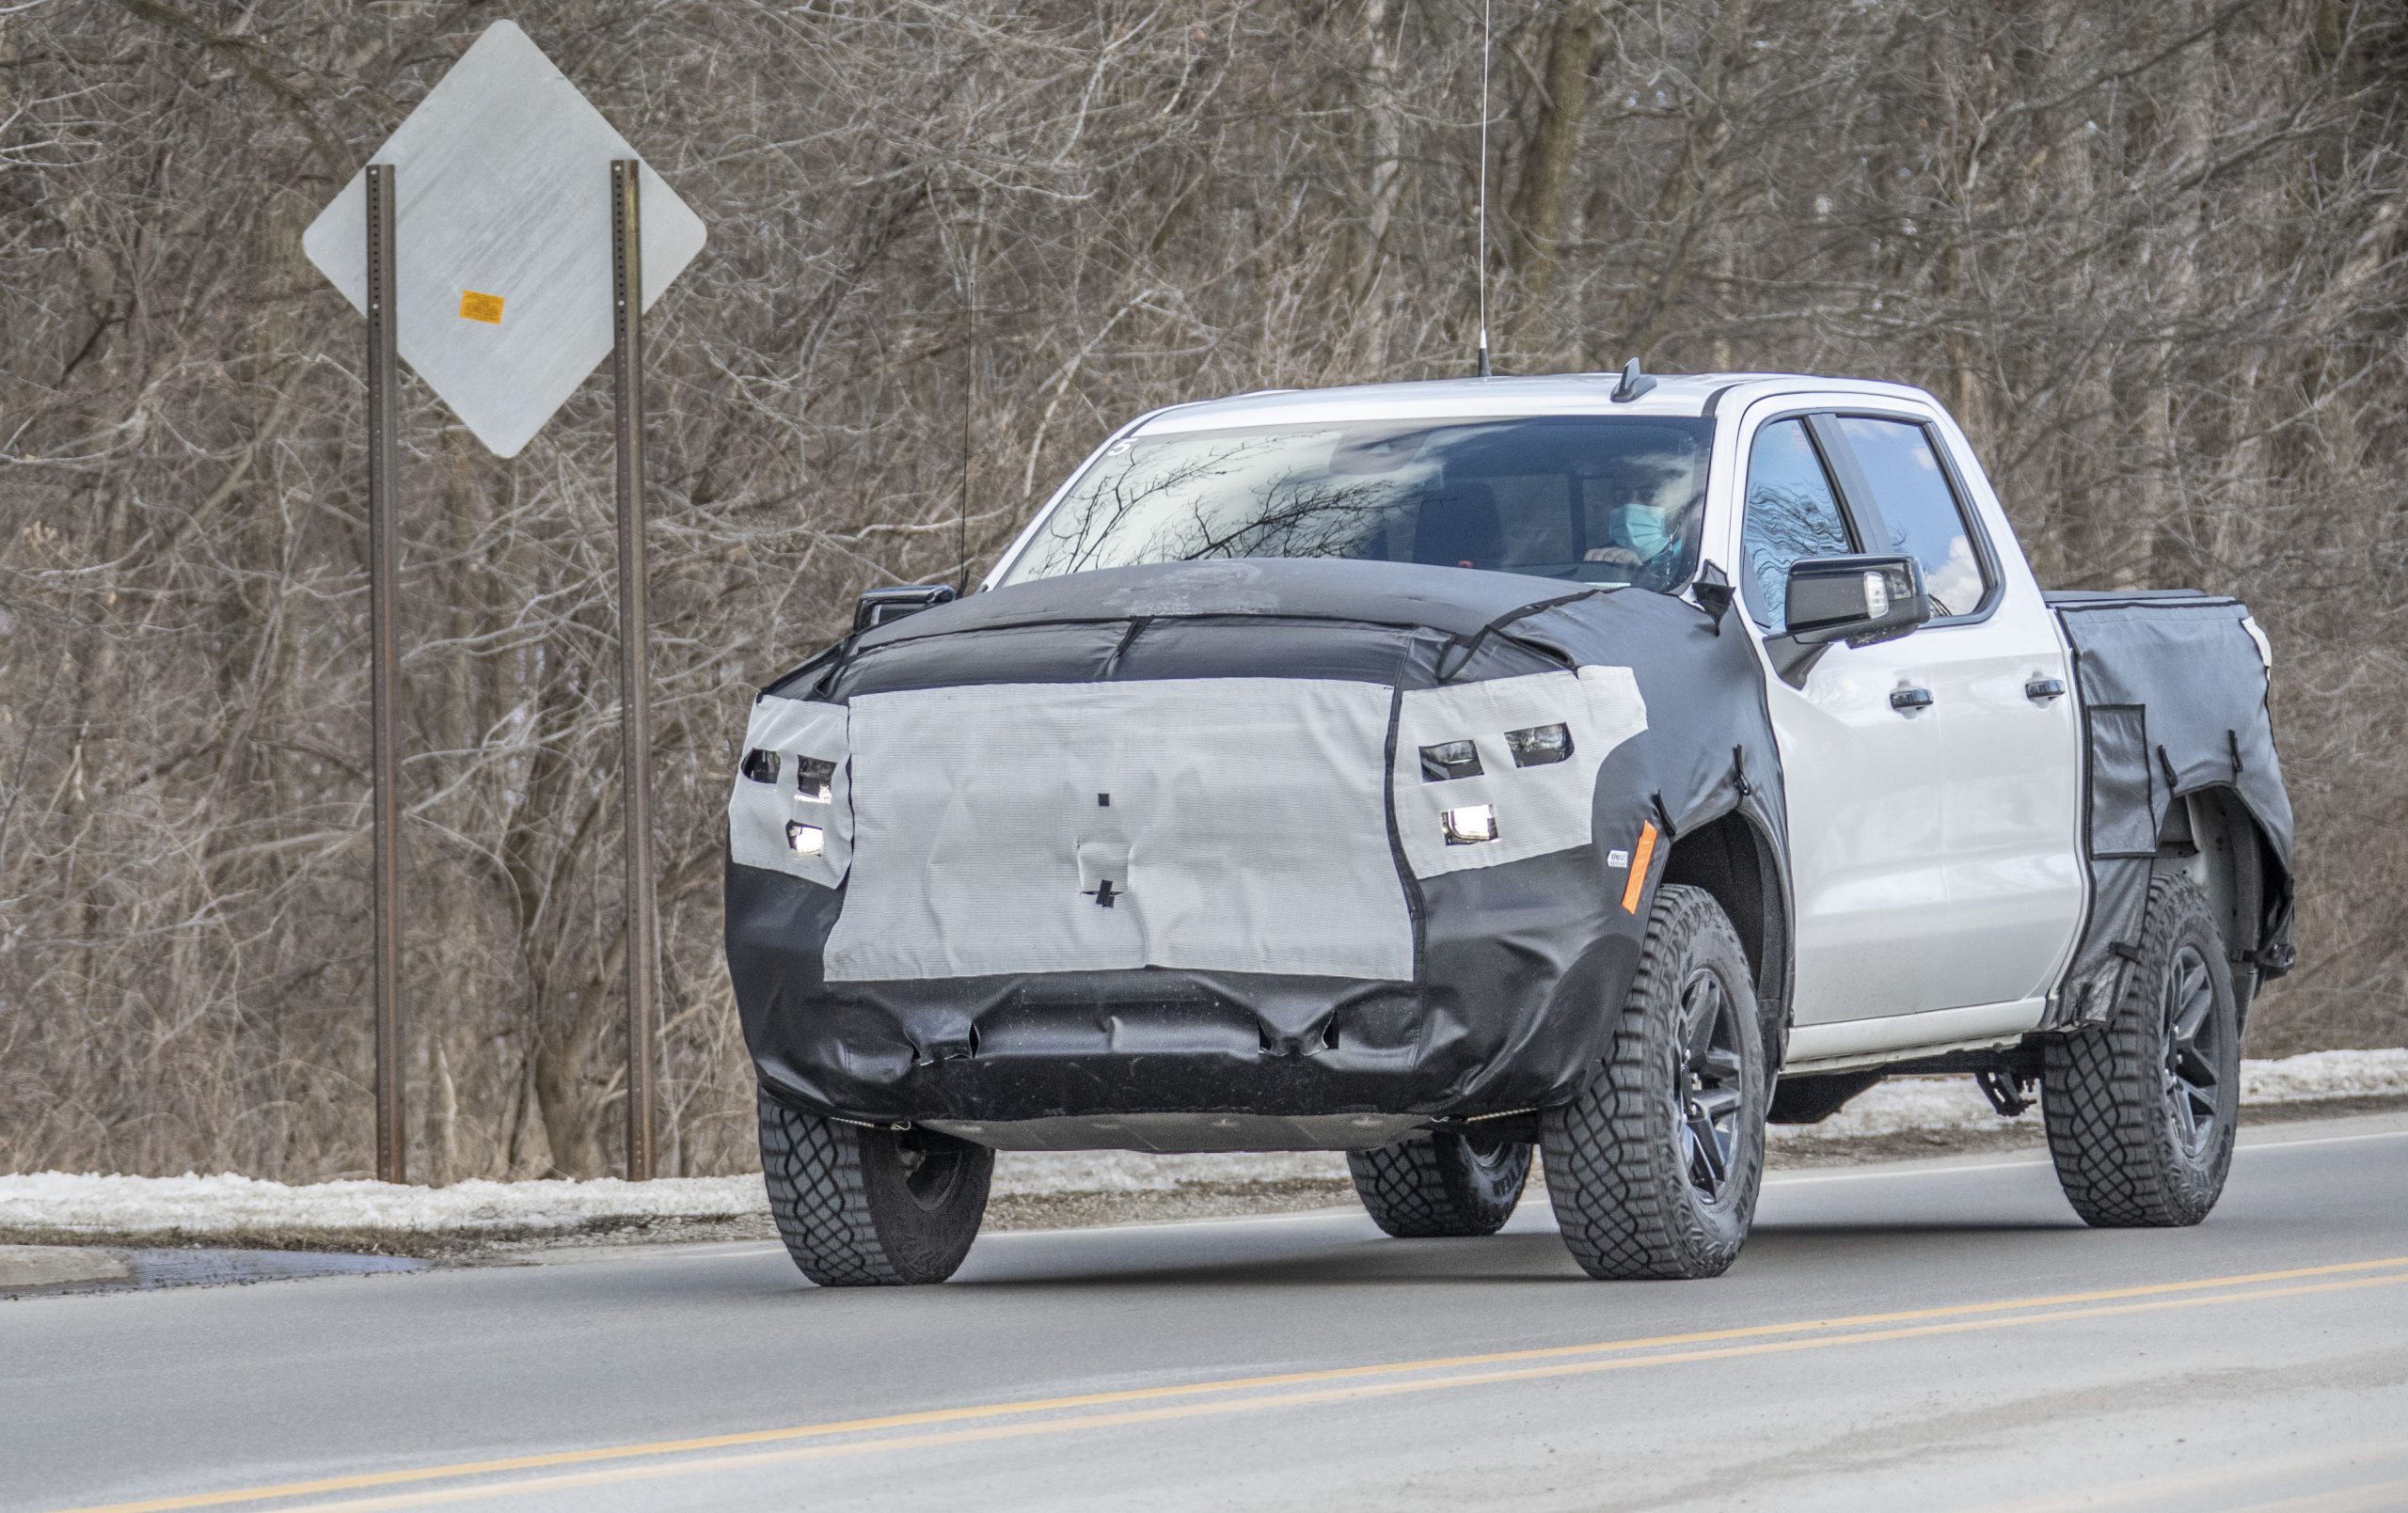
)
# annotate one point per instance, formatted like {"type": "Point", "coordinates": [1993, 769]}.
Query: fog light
{"type": "Point", "coordinates": [815, 781]}
{"type": "Point", "coordinates": [1450, 759]}
{"type": "Point", "coordinates": [1540, 745]}
{"type": "Point", "coordinates": [805, 840]}
{"type": "Point", "coordinates": [1470, 824]}
{"type": "Point", "coordinates": [759, 766]}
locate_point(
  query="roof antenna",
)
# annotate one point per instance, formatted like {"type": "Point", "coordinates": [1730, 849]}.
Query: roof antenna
{"type": "Point", "coordinates": [1633, 384]}
{"type": "Point", "coordinates": [1481, 368]}
{"type": "Point", "coordinates": [969, 406]}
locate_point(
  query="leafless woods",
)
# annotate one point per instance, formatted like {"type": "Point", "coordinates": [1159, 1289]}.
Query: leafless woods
{"type": "Point", "coordinates": [2151, 254]}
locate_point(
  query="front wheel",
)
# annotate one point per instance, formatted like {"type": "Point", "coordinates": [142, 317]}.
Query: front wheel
{"type": "Point", "coordinates": [2142, 1109]}
{"type": "Point", "coordinates": [1443, 1184]}
{"type": "Point", "coordinates": [1654, 1168]}
{"type": "Point", "coordinates": [865, 1208]}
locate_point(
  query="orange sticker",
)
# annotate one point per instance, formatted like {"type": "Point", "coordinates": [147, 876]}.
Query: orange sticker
{"type": "Point", "coordinates": [475, 307]}
{"type": "Point", "coordinates": [1639, 856]}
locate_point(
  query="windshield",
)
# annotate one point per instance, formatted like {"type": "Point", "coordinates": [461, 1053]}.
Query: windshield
{"type": "Point", "coordinates": [1587, 498]}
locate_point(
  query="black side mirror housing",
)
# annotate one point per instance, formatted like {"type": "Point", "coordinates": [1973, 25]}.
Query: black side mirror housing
{"type": "Point", "coordinates": [880, 606]}
{"type": "Point", "coordinates": [1857, 599]}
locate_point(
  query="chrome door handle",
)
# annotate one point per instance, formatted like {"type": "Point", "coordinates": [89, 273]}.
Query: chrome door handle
{"type": "Point", "coordinates": [1903, 700]}
{"type": "Point", "coordinates": [2040, 690]}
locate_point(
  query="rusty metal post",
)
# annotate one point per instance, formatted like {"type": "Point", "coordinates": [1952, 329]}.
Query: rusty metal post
{"type": "Point", "coordinates": [392, 1130]}
{"type": "Point", "coordinates": [635, 685]}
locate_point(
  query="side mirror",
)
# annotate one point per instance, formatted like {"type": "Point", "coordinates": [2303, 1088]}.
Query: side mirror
{"type": "Point", "coordinates": [880, 606]}
{"type": "Point", "coordinates": [1858, 600]}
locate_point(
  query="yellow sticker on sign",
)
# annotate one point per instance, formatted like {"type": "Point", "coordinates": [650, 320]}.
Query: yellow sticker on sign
{"type": "Point", "coordinates": [475, 307]}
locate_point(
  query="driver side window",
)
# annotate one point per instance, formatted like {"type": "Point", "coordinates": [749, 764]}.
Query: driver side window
{"type": "Point", "coordinates": [1792, 512]}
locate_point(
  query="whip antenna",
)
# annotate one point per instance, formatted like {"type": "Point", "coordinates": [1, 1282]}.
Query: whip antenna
{"type": "Point", "coordinates": [1480, 369]}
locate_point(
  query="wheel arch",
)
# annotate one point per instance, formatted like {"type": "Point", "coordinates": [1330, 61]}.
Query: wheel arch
{"type": "Point", "coordinates": [2210, 836]}
{"type": "Point", "coordinates": [1734, 863]}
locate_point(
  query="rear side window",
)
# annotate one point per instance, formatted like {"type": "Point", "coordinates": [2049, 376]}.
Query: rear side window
{"type": "Point", "coordinates": [1792, 512]}
{"type": "Point", "coordinates": [1922, 514]}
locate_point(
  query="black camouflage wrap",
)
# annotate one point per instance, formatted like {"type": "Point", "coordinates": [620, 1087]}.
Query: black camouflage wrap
{"type": "Point", "coordinates": [1518, 966]}
{"type": "Point", "coordinates": [2173, 700]}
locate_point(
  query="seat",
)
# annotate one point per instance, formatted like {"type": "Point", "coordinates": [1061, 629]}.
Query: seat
{"type": "Point", "coordinates": [1458, 527]}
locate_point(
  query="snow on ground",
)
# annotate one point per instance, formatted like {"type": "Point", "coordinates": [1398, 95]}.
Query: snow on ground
{"type": "Point", "coordinates": [1955, 1103]}
{"type": "Point", "coordinates": [62, 1203]}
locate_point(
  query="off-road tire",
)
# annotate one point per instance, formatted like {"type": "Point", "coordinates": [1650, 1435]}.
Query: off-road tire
{"type": "Point", "coordinates": [846, 1204]}
{"type": "Point", "coordinates": [1617, 1170]}
{"type": "Point", "coordinates": [2123, 1152]}
{"type": "Point", "coordinates": [1441, 1185]}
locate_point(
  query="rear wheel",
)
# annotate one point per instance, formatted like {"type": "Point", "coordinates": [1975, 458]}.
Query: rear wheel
{"type": "Point", "coordinates": [1442, 1184]}
{"type": "Point", "coordinates": [1654, 1168]}
{"type": "Point", "coordinates": [862, 1207]}
{"type": "Point", "coordinates": [2142, 1109]}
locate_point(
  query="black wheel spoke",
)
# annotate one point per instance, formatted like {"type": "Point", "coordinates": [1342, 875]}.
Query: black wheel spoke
{"type": "Point", "coordinates": [1708, 1159]}
{"type": "Point", "coordinates": [1708, 1081]}
{"type": "Point", "coordinates": [1701, 1007]}
{"type": "Point", "coordinates": [2194, 1049]}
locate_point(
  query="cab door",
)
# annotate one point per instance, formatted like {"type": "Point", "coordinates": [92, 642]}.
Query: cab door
{"type": "Point", "coordinates": [2000, 683]}
{"type": "Point", "coordinates": [1861, 758]}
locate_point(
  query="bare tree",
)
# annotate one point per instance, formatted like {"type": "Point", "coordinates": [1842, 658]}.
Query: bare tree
{"type": "Point", "coordinates": [2152, 256]}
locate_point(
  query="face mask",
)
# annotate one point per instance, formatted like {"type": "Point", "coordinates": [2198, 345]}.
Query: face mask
{"type": "Point", "coordinates": [1645, 528]}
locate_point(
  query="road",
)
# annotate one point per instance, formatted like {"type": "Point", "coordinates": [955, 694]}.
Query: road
{"type": "Point", "coordinates": [1931, 1336]}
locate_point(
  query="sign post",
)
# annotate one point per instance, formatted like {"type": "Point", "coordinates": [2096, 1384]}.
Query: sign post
{"type": "Point", "coordinates": [513, 292]}
{"type": "Point", "coordinates": [635, 680]}
{"type": "Point", "coordinates": [392, 1132]}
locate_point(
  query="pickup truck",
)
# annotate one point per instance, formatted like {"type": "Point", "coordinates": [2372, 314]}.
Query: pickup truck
{"type": "Point", "coordinates": [1601, 766]}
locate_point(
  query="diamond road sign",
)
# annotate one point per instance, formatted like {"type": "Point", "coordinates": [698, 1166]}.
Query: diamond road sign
{"type": "Point", "coordinates": [502, 237]}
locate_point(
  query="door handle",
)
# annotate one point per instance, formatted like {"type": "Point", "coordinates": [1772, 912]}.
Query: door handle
{"type": "Point", "coordinates": [2040, 690]}
{"type": "Point", "coordinates": [1903, 700]}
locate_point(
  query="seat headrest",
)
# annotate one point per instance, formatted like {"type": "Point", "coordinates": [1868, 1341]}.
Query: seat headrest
{"type": "Point", "coordinates": [1458, 527]}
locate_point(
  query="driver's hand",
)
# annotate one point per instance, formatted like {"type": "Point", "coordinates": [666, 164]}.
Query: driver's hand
{"type": "Point", "coordinates": [1616, 556]}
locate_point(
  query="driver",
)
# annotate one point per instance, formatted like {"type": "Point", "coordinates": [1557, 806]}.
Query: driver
{"type": "Point", "coordinates": [1645, 535]}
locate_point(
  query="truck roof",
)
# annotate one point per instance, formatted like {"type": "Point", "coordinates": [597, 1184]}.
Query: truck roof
{"type": "Point", "coordinates": [1675, 394]}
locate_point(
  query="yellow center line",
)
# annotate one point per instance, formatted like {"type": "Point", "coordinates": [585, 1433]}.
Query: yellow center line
{"type": "Point", "coordinates": [657, 1470]}
{"type": "Point", "coordinates": [1966, 1316]}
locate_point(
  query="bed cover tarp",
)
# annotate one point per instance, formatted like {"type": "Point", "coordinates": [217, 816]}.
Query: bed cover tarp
{"type": "Point", "coordinates": [2174, 694]}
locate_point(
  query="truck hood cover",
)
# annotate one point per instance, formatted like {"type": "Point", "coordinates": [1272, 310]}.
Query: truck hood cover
{"type": "Point", "coordinates": [1457, 601]}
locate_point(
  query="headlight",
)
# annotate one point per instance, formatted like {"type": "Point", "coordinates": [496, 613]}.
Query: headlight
{"type": "Point", "coordinates": [805, 840]}
{"type": "Point", "coordinates": [1470, 824]}
{"type": "Point", "coordinates": [1540, 745]}
{"type": "Point", "coordinates": [1450, 759]}
{"type": "Point", "coordinates": [815, 781]}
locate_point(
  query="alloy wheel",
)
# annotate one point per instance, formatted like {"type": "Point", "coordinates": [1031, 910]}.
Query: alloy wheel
{"type": "Point", "coordinates": [1708, 1090]}
{"type": "Point", "coordinates": [2193, 1050]}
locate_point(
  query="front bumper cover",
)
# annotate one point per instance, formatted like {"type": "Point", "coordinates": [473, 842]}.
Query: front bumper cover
{"type": "Point", "coordinates": [1501, 1002]}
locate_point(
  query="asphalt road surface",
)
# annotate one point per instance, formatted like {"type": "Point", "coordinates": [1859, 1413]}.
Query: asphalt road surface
{"type": "Point", "coordinates": [1929, 1336]}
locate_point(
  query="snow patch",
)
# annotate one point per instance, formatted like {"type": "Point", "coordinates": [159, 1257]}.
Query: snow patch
{"type": "Point", "coordinates": [1942, 1103]}
{"type": "Point", "coordinates": [65, 1203]}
